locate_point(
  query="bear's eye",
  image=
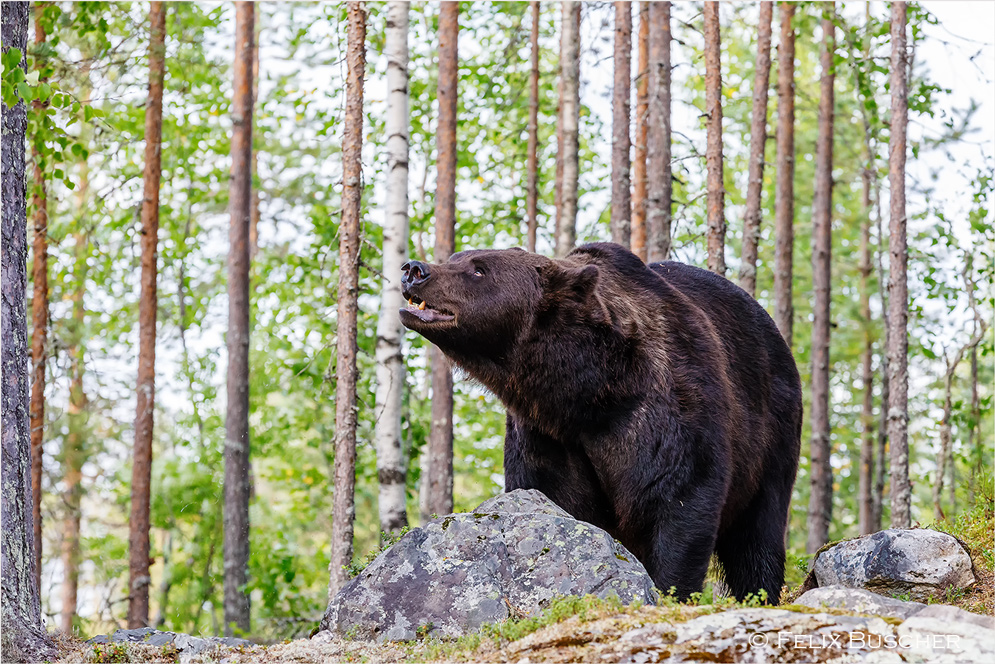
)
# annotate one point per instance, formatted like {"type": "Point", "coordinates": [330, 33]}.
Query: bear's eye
{"type": "Point", "coordinates": [478, 272]}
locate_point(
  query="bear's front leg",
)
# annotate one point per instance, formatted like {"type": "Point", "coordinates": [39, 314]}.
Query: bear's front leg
{"type": "Point", "coordinates": [533, 460]}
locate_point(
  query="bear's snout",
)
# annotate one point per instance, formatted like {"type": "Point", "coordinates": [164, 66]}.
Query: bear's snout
{"type": "Point", "coordinates": [414, 273]}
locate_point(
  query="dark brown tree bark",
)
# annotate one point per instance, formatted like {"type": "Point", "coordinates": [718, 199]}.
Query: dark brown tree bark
{"type": "Point", "coordinates": [716, 230]}
{"type": "Point", "coordinates": [344, 507]}
{"type": "Point", "coordinates": [865, 497]}
{"type": "Point", "coordinates": [23, 637]}
{"type": "Point", "coordinates": [784, 192]}
{"type": "Point", "coordinates": [141, 471]}
{"type": "Point", "coordinates": [440, 438]}
{"type": "Point", "coordinates": [621, 212]}
{"type": "Point", "coordinates": [639, 181]}
{"type": "Point", "coordinates": [568, 167]}
{"type": "Point", "coordinates": [532, 158]}
{"type": "Point", "coordinates": [39, 314]}
{"type": "Point", "coordinates": [237, 442]}
{"type": "Point", "coordinates": [658, 171]}
{"type": "Point", "coordinates": [820, 506]}
{"type": "Point", "coordinates": [898, 290]}
{"type": "Point", "coordinates": [758, 143]}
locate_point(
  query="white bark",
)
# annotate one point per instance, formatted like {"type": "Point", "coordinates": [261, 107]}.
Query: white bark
{"type": "Point", "coordinates": [569, 122]}
{"type": "Point", "coordinates": [390, 368]}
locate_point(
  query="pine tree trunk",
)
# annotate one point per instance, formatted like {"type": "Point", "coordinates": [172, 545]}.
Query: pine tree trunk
{"type": "Point", "coordinates": [639, 181]}
{"type": "Point", "coordinates": [237, 443]}
{"type": "Point", "coordinates": [344, 506]}
{"type": "Point", "coordinates": [716, 230]}
{"type": "Point", "coordinates": [532, 159]}
{"type": "Point", "coordinates": [820, 507]}
{"type": "Point", "coordinates": [254, 211]}
{"type": "Point", "coordinates": [440, 440]}
{"type": "Point", "coordinates": [39, 315]}
{"type": "Point", "coordinates": [73, 455]}
{"type": "Point", "coordinates": [784, 192]}
{"type": "Point", "coordinates": [23, 637]}
{"type": "Point", "coordinates": [898, 291]}
{"type": "Point", "coordinates": [566, 223]}
{"type": "Point", "coordinates": [141, 471]}
{"type": "Point", "coordinates": [391, 467]}
{"type": "Point", "coordinates": [865, 498]}
{"type": "Point", "coordinates": [758, 143]}
{"type": "Point", "coordinates": [658, 171]}
{"type": "Point", "coordinates": [882, 451]}
{"type": "Point", "coordinates": [621, 209]}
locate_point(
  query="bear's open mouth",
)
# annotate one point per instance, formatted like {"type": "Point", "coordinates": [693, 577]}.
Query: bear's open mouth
{"type": "Point", "coordinates": [421, 310]}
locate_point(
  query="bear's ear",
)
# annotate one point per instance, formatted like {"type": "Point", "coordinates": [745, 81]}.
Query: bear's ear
{"type": "Point", "coordinates": [576, 285]}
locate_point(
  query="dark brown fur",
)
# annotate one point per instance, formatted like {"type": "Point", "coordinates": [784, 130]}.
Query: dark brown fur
{"type": "Point", "coordinates": [657, 402]}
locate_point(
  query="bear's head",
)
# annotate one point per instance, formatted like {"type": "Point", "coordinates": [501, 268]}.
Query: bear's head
{"type": "Point", "coordinates": [479, 306]}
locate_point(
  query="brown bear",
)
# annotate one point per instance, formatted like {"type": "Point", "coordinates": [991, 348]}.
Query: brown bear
{"type": "Point", "coordinates": [658, 402]}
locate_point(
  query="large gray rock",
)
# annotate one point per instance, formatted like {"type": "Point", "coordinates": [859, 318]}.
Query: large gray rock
{"type": "Point", "coordinates": [858, 600]}
{"type": "Point", "coordinates": [918, 563]}
{"type": "Point", "coordinates": [514, 553]}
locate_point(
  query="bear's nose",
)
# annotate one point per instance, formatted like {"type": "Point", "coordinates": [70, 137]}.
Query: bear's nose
{"type": "Point", "coordinates": [415, 272]}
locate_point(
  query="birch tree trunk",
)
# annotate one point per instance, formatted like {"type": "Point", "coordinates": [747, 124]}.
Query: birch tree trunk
{"type": "Point", "coordinates": [820, 506]}
{"type": "Point", "coordinates": [141, 471]}
{"type": "Point", "coordinates": [758, 143]}
{"type": "Point", "coordinates": [344, 505]}
{"type": "Point", "coordinates": [23, 637]}
{"type": "Point", "coordinates": [566, 223]}
{"type": "Point", "coordinates": [898, 290]}
{"type": "Point", "coordinates": [391, 468]}
{"type": "Point", "coordinates": [237, 470]}
{"type": "Point", "coordinates": [716, 230]}
{"type": "Point", "coordinates": [39, 315]}
{"type": "Point", "coordinates": [621, 208]}
{"type": "Point", "coordinates": [440, 437]}
{"type": "Point", "coordinates": [658, 171]}
{"type": "Point", "coordinates": [784, 192]}
{"type": "Point", "coordinates": [532, 158]}
{"type": "Point", "coordinates": [639, 182]}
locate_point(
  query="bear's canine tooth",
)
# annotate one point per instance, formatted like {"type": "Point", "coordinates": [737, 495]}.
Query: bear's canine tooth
{"type": "Point", "coordinates": [410, 303]}
{"type": "Point", "coordinates": [422, 305]}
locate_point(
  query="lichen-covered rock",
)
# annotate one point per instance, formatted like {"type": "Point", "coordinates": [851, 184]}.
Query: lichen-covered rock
{"type": "Point", "coordinates": [917, 563]}
{"type": "Point", "coordinates": [186, 646]}
{"type": "Point", "coordinates": [777, 635]}
{"type": "Point", "coordinates": [510, 556]}
{"type": "Point", "coordinates": [858, 600]}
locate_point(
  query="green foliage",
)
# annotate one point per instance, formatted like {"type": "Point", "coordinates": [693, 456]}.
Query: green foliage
{"type": "Point", "coordinates": [90, 80]}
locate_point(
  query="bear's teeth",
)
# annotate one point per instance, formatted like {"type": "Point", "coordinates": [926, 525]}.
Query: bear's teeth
{"type": "Point", "coordinates": [410, 303]}
{"type": "Point", "coordinates": [422, 305]}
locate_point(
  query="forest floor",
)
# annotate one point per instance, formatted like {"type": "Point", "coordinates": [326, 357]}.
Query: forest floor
{"type": "Point", "coordinates": [571, 630]}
